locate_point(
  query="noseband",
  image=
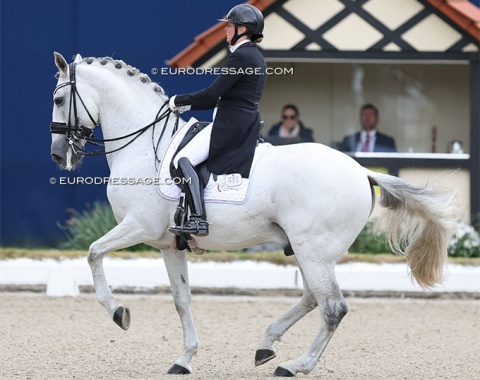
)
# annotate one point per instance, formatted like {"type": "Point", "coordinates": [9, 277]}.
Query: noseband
{"type": "Point", "coordinates": [76, 132]}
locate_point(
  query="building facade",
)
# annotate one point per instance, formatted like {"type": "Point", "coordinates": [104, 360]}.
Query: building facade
{"type": "Point", "coordinates": [416, 60]}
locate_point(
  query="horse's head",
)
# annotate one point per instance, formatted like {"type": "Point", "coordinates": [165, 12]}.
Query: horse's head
{"type": "Point", "coordinates": [73, 116]}
{"type": "Point", "coordinates": [125, 100]}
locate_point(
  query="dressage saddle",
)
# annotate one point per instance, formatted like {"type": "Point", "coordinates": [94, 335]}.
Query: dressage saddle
{"type": "Point", "coordinates": [203, 175]}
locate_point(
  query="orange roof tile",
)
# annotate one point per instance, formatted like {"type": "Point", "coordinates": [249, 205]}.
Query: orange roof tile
{"type": "Point", "coordinates": [462, 12]}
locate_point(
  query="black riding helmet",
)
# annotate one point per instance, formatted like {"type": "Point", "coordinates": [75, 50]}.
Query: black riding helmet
{"type": "Point", "coordinates": [250, 17]}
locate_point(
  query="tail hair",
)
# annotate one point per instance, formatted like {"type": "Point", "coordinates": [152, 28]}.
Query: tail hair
{"type": "Point", "coordinates": [418, 224]}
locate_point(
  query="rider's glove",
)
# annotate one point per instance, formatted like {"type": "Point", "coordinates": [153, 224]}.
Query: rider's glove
{"type": "Point", "coordinates": [175, 108]}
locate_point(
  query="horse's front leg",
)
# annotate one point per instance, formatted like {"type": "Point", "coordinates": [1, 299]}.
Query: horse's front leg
{"type": "Point", "coordinates": [126, 234]}
{"type": "Point", "coordinates": [176, 264]}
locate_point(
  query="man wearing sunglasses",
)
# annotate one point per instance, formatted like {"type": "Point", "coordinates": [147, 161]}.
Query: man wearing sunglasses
{"type": "Point", "coordinates": [291, 126]}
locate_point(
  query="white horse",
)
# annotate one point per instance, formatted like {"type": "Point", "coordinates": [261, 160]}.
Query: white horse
{"type": "Point", "coordinates": [307, 197]}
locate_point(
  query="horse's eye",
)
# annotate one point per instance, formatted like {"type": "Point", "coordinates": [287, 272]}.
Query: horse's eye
{"type": "Point", "coordinates": [58, 100]}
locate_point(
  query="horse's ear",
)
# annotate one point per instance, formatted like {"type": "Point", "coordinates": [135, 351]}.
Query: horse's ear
{"type": "Point", "coordinates": [78, 58]}
{"type": "Point", "coordinates": [61, 63]}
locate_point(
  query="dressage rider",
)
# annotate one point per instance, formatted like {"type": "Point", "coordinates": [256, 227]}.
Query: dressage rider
{"type": "Point", "coordinates": [229, 142]}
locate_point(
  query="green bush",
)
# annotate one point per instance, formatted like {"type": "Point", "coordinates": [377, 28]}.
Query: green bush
{"type": "Point", "coordinates": [370, 241]}
{"type": "Point", "coordinates": [83, 228]}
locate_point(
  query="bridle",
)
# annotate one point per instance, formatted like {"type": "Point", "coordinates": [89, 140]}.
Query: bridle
{"type": "Point", "coordinates": [75, 133]}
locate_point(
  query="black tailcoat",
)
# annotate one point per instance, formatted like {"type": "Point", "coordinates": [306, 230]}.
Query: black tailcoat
{"type": "Point", "coordinates": [236, 92]}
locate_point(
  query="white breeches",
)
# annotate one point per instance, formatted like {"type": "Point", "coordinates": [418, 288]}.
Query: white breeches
{"type": "Point", "coordinates": [197, 149]}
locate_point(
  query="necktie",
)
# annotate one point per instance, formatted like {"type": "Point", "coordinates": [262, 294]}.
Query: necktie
{"type": "Point", "coordinates": [366, 144]}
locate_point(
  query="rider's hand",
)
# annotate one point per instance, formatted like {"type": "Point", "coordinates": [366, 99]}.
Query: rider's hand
{"type": "Point", "coordinates": [175, 108]}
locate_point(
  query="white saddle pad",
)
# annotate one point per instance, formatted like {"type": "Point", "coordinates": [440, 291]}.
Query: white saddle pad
{"type": "Point", "coordinates": [228, 188]}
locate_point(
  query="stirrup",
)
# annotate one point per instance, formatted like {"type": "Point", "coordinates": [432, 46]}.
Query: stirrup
{"type": "Point", "coordinates": [196, 225]}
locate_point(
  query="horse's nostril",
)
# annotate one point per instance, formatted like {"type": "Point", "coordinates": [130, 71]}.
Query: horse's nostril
{"type": "Point", "coordinates": [56, 158]}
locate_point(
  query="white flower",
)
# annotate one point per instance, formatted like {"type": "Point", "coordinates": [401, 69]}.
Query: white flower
{"type": "Point", "coordinates": [464, 242]}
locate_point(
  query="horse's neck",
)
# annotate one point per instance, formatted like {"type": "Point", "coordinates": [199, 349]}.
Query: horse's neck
{"type": "Point", "coordinates": [127, 105]}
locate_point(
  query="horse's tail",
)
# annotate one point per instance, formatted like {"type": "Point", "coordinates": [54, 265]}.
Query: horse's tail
{"type": "Point", "coordinates": [418, 224]}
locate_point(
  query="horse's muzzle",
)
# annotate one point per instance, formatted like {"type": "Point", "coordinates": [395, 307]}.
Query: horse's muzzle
{"type": "Point", "coordinates": [59, 152]}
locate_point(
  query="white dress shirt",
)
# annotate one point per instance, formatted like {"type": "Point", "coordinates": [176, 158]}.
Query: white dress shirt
{"type": "Point", "coordinates": [363, 138]}
{"type": "Point", "coordinates": [235, 47]}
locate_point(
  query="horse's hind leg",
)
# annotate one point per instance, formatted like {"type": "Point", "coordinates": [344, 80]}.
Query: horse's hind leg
{"type": "Point", "coordinates": [278, 328]}
{"type": "Point", "coordinates": [124, 235]}
{"type": "Point", "coordinates": [321, 280]}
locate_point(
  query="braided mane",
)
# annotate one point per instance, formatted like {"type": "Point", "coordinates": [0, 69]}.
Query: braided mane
{"type": "Point", "coordinates": [131, 71]}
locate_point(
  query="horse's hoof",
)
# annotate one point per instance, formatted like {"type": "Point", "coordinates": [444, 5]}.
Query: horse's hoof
{"type": "Point", "coordinates": [122, 317]}
{"type": "Point", "coordinates": [178, 370]}
{"type": "Point", "coordinates": [263, 356]}
{"type": "Point", "coordinates": [282, 372]}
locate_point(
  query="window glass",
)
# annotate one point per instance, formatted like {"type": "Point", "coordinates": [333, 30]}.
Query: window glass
{"type": "Point", "coordinates": [424, 107]}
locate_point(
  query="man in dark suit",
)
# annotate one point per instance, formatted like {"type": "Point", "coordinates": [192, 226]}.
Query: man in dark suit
{"type": "Point", "coordinates": [369, 139]}
{"type": "Point", "coordinates": [229, 142]}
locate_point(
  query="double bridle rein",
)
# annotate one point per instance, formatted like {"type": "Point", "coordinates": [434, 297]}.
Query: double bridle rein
{"type": "Point", "coordinates": [75, 133]}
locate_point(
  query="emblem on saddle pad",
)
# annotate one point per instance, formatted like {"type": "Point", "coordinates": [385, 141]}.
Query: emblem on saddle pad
{"type": "Point", "coordinates": [233, 180]}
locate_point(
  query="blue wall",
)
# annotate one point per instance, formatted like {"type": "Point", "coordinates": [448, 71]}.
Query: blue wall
{"type": "Point", "coordinates": [144, 34]}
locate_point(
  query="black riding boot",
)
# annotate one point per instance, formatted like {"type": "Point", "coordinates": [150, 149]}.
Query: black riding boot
{"type": "Point", "coordinates": [197, 224]}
